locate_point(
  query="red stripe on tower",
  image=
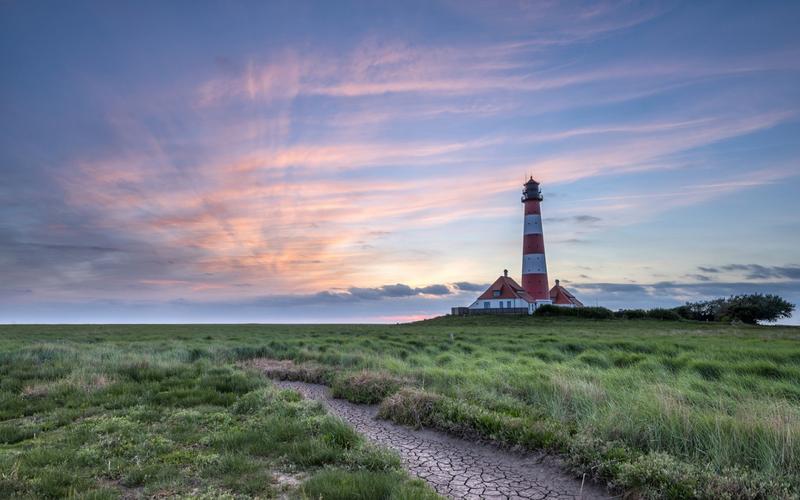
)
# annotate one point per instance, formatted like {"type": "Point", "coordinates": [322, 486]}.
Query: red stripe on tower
{"type": "Point", "coordinates": [534, 267]}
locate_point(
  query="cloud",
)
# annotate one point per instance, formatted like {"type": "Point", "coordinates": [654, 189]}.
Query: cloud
{"type": "Point", "coordinates": [633, 153]}
{"type": "Point", "coordinates": [435, 290]}
{"type": "Point", "coordinates": [574, 241]}
{"type": "Point", "coordinates": [470, 287]}
{"type": "Point", "coordinates": [678, 292]}
{"type": "Point", "coordinates": [576, 219]}
{"type": "Point", "coordinates": [636, 207]}
{"type": "Point", "coordinates": [385, 305]}
{"type": "Point", "coordinates": [756, 271]}
{"type": "Point", "coordinates": [610, 288]}
{"type": "Point", "coordinates": [317, 166]}
{"type": "Point", "coordinates": [558, 23]}
{"type": "Point", "coordinates": [396, 291]}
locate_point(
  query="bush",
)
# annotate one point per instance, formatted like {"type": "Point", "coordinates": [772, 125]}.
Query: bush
{"type": "Point", "coordinates": [575, 312]}
{"type": "Point", "coordinates": [700, 311]}
{"type": "Point", "coordinates": [748, 309]}
{"type": "Point", "coordinates": [631, 314]}
{"type": "Point", "coordinates": [756, 307]}
{"type": "Point", "coordinates": [658, 313]}
{"type": "Point", "coordinates": [663, 314]}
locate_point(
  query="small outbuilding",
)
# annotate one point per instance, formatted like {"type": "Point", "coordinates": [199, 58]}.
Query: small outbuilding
{"type": "Point", "coordinates": [560, 296]}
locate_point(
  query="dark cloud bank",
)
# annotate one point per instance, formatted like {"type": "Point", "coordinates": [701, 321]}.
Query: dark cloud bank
{"type": "Point", "coordinates": [756, 271]}
{"type": "Point", "coordinates": [388, 303]}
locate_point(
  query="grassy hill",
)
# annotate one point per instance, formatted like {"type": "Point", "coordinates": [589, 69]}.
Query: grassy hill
{"type": "Point", "coordinates": [664, 409]}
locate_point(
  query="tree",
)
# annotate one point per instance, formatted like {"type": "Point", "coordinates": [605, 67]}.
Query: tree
{"type": "Point", "coordinates": [708, 310]}
{"type": "Point", "coordinates": [748, 309]}
{"type": "Point", "coordinates": [756, 307]}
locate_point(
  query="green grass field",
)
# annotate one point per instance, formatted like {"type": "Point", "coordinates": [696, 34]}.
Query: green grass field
{"type": "Point", "coordinates": [130, 412]}
{"type": "Point", "coordinates": [658, 409]}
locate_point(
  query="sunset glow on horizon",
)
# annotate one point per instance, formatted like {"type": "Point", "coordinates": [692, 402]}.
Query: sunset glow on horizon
{"type": "Point", "coordinates": [327, 161]}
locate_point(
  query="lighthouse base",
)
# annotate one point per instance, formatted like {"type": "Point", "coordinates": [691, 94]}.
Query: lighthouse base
{"type": "Point", "coordinates": [533, 306]}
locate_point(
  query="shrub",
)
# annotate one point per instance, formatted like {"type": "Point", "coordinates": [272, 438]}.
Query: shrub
{"type": "Point", "coordinates": [663, 314]}
{"type": "Point", "coordinates": [748, 309]}
{"type": "Point", "coordinates": [365, 387]}
{"type": "Point", "coordinates": [575, 312]}
{"type": "Point", "coordinates": [756, 307]}
{"type": "Point", "coordinates": [700, 311]}
{"type": "Point", "coordinates": [630, 314]}
{"type": "Point", "coordinates": [657, 313]}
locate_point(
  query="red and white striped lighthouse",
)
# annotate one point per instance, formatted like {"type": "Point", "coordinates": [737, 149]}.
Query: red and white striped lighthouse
{"type": "Point", "coordinates": [534, 267]}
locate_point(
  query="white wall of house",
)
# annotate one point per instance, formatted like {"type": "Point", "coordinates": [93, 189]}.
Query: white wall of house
{"type": "Point", "coordinates": [499, 304]}
{"type": "Point", "coordinates": [504, 304]}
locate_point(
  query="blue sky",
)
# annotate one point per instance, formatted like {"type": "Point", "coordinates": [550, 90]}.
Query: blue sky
{"type": "Point", "coordinates": [349, 161]}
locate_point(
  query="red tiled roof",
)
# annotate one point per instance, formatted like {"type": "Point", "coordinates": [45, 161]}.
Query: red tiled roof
{"type": "Point", "coordinates": [560, 295]}
{"type": "Point", "coordinates": [508, 288]}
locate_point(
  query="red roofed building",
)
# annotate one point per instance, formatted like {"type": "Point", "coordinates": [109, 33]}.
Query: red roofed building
{"type": "Point", "coordinates": [504, 296]}
{"type": "Point", "coordinates": [561, 297]}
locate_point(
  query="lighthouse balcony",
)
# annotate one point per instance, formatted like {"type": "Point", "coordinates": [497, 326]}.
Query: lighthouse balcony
{"type": "Point", "coordinates": [526, 196]}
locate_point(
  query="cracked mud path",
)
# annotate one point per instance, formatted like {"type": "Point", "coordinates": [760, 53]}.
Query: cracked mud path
{"type": "Point", "coordinates": [454, 467]}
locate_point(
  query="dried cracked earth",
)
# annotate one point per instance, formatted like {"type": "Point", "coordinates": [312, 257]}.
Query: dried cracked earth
{"type": "Point", "coordinates": [454, 467]}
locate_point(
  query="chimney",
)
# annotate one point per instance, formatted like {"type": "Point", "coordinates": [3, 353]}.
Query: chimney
{"type": "Point", "coordinates": [557, 282]}
{"type": "Point", "coordinates": [505, 273]}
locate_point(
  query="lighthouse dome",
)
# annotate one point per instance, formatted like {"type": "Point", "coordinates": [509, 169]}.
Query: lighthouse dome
{"type": "Point", "coordinates": [531, 191]}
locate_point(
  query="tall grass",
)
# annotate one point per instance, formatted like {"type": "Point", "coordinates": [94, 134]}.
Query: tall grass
{"type": "Point", "coordinates": [84, 413]}
{"type": "Point", "coordinates": [716, 405]}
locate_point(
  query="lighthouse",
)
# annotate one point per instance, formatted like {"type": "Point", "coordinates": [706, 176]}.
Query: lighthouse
{"type": "Point", "coordinates": [534, 266]}
{"type": "Point", "coordinates": [506, 296]}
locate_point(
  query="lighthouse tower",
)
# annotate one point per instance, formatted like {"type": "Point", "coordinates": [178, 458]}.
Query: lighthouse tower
{"type": "Point", "coordinates": [534, 267]}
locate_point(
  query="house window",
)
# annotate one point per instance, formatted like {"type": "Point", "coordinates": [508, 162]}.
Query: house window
{"type": "Point", "coordinates": [508, 304]}
{"type": "Point", "coordinates": [486, 305]}
{"type": "Point", "coordinates": [496, 293]}
{"type": "Point", "coordinates": [501, 304]}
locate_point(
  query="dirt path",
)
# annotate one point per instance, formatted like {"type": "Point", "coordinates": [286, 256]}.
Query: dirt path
{"type": "Point", "coordinates": [454, 467]}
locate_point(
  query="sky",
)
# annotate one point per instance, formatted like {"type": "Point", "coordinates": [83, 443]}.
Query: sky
{"type": "Point", "coordinates": [192, 161]}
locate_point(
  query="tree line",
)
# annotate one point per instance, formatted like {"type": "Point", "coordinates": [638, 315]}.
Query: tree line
{"type": "Point", "coordinates": [749, 308]}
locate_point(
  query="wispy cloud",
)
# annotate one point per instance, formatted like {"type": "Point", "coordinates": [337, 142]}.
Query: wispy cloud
{"type": "Point", "coordinates": [757, 271]}
{"type": "Point", "coordinates": [289, 163]}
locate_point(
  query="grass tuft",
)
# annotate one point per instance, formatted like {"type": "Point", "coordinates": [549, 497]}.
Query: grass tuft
{"type": "Point", "coordinates": [365, 387]}
{"type": "Point", "coordinates": [336, 484]}
{"type": "Point", "coordinates": [410, 407]}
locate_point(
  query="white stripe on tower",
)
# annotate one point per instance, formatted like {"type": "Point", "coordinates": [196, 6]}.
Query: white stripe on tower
{"type": "Point", "coordinates": [533, 224]}
{"type": "Point", "coordinates": [534, 263]}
